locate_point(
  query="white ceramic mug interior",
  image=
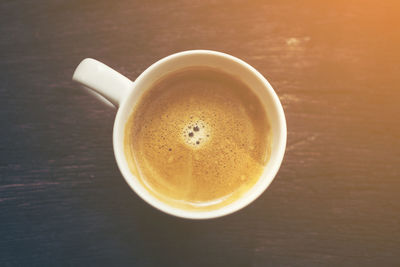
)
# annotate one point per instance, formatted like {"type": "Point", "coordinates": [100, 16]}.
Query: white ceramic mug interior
{"type": "Point", "coordinates": [124, 94]}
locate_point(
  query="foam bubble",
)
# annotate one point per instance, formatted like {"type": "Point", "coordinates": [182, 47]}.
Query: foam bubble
{"type": "Point", "coordinates": [195, 133]}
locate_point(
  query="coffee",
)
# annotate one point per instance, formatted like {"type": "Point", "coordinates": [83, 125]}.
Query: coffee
{"type": "Point", "coordinates": [198, 138]}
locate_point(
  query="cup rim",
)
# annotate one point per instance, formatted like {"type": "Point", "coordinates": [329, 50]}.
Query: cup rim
{"type": "Point", "coordinates": [192, 214]}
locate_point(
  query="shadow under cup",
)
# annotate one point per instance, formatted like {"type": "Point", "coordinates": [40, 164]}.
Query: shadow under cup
{"type": "Point", "coordinates": [236, 67]}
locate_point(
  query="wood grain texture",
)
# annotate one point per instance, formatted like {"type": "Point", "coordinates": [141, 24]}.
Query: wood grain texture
{"type": "Point", "coordinates": [335, 67]}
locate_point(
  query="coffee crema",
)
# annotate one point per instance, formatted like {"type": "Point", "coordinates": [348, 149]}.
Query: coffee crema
{"type": "Point", "coordinates": [198, 138]}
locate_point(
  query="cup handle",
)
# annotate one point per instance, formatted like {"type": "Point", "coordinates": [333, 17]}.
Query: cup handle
{"type": "Point", "coordinates": [102, 79]}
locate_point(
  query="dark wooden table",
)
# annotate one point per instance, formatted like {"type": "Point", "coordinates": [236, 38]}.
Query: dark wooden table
{"type": "Point", "coordinates": [335, 66]}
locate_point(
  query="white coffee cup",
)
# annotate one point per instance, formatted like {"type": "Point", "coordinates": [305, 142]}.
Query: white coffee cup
{"type": "Point", "coordinates": [124, 94]}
